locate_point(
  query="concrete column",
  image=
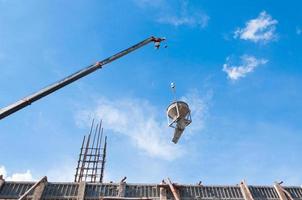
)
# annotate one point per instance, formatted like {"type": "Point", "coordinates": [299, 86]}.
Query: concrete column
{"type": "Point", "coordinates": [38, 192]}
{"type": "Point", "coordinates": [122, 189]}
{"type": "Point", "coordinates": [162, 192]}
{"type": "Point", "coordinates": [2, 181]}
{"type": "Point", "coordinates": [81, 190]}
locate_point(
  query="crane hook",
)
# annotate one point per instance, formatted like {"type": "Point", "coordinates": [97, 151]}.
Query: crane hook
{"type": "Point", "coordinates": [157, 42]}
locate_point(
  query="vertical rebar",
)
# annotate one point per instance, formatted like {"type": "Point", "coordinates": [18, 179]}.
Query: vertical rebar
{"type": "Point", "coordinates": [76, 178]}
{"type": "Point", "coordinates": [90, 155]}
{"type": "Point", "coordinates": [103, 160]}
{"type": "Point", "coordinates": [85, 153]}
{"type": "Point", "coordinates": [96, 155]}
{"type": "Point", "coordinates": [91, 162]}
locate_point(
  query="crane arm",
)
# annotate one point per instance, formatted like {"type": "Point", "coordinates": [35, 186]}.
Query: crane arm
{"type": "Point", "coordinates": [6, 111]}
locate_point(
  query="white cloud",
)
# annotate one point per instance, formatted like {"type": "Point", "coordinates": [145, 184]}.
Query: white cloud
{"type": "Point", "coordinates": [19, 176]}
{"type": "Point", "coordinates": [248, 65]}
{"type": "Point", "coordinates": [3, 171]}
{"type": "Point", "coordinates": [176, 14]}
{"type": "Point", "coordinates": [260, 29]}
{"type": "Point", "coordinates": [26, 176]}
{"type": "Point", "coordinates": [197, 19]}
{"type": "Point", "coordinates": [199, 110]}
{"type": "Point", "coordinates": [146, 3]}
{"type": "Point", "coordinates": [62, 171]}
{"type": "Point", "coordinates": [137, 119]}
{"type": "Point", "coordinates": [143, 124]}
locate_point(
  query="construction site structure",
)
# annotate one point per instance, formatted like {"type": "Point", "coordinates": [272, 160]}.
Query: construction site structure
{"type": "Point", "coordinates": [92, 157]}
{"type": "Point", "coordinates": [165, 190]}
{"type": "Point", "coordinates": [6, 111]}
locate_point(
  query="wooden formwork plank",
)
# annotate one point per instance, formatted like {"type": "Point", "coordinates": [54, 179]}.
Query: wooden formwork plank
{"type": "Point", "coordinates": [282, 193]}
{"type": "Point", "coordinates": [174, 190]}
{"type": "Point", "coordinates": [247, 195]}
{"type": "Point", "coordinates": [122, 188]}
{"type": "Point", "coordinates": [40, 189]}
{"type": "Point", "coordinates": [38, 192]}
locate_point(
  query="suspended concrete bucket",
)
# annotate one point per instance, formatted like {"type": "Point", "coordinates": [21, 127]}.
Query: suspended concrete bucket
{"type": "Point", "coordinates": [179, 117]}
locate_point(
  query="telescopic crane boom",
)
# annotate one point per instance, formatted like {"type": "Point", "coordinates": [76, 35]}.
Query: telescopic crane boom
{"type": "Point", "coordinates": [6, 111]}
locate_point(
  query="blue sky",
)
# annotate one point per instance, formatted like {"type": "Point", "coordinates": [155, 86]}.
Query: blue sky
{"type": "Point", "coordinates": [237, 63]}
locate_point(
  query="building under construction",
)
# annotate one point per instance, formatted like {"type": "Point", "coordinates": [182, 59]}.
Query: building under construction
{"type": "Point", "coordinates": [88, 181]}
{"type": "Point", "coordinates": [164, 191]}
